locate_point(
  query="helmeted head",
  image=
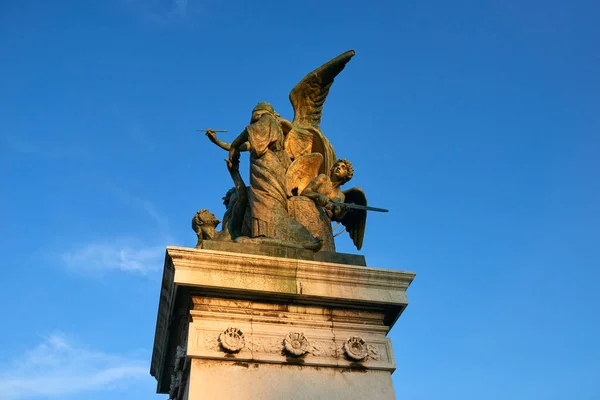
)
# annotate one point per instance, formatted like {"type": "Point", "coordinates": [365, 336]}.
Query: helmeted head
{"type": "Point", "coordinates": [342, 171]}
{"type": "Point", "coordinates": [260, 109]}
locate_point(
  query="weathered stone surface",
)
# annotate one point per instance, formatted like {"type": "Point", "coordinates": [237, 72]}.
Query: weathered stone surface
{"type": "Point", "coordinates": [240, 380]}
{"type": "Point", "coordinates": [285, 252]}
{"type": "Point", "coordinates": [314, 218]}
{"type": "Point", "coordinates": [265, 327]}
{"type": "Point", "coordinates": [282, 319]}
{"type": "Point", "coordinates": [286, 277]}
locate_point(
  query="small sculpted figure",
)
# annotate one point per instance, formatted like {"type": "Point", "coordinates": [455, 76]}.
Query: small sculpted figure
{"type": "Point", "coordinates": [326, 190]}
{"type": "Point", "coordinates": [235, 220]}
{"type": "Point", "coordinates": [204, 224]}
{"type": "Point", "coordinates": [327, 194]}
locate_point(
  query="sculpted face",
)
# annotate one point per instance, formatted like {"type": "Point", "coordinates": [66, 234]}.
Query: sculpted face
{"type": "Point", "coordinates": [208, 224]}
{"type": "Point", "coordinates": [209, 217]}
{"type": "Point", "coordinates": [339, 171]}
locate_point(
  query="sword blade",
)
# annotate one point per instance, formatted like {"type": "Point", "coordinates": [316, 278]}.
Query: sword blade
{"type": "Point", "coordinates": [365, 208]}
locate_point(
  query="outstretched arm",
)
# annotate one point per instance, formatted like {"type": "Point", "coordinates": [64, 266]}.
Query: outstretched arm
{"type": "Point", "coordinates": [212, 136]}
{"type": "Point", "coordinates": [312, 191]}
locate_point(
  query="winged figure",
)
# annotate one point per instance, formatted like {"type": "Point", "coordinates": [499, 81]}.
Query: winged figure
{"type": "Point", "coordinates": [327, 193]}
{"type": "Point", "coordinates": [303, 135]}
{"type": "Point", "coordinates": [295, 179]}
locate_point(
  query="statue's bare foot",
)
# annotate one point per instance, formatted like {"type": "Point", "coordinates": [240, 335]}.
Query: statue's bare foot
{"type": "Point", "coordinates": [315, 245]}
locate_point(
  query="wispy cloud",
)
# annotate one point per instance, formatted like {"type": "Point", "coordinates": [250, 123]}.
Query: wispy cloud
{"type": "Point", "coordinates": [122, 253]}
{"type": "Point", "coordinates": [58, 367]}
{"type": "Point", "coordinates": [164, 11]}
{"type": "Point", "coordinates": [125, 255]}
{"type": "Point", "coordinates": [28, 147]}
{"type": "Point", "coordinates": [139, 203]}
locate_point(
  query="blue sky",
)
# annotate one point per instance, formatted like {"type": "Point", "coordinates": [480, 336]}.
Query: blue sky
{"type": "Point", "coordinates": [475, 122]}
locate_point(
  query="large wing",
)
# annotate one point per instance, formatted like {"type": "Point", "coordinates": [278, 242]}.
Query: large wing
{"type": "Point", "coordinates": [320, 144]}
{"type": "Point", "coordinates": [302, 172]}
{"type": "Point", "coordinates": [355, 221]}
{"type": "Point", "coordinates": [309, 95]}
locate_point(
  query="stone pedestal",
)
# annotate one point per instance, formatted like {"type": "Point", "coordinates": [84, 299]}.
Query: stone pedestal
{"type": "Point", "coordinates": [240, 324]}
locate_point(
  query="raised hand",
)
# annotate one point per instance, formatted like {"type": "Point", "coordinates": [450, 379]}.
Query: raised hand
{"type": "Point", "coordinates": [211, 134]}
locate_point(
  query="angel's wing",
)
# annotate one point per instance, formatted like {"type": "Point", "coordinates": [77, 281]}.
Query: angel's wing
{"type": "Point", "coordinates": [302, 172]}
{"type": "Point", "coordinates": [355, 220]}
{"type": "Point", "coordinates": [309, 95]}
{"type": "Point", "coordinates": [298, 141]}
{"type": "Point", "coordinates": [320, 144]}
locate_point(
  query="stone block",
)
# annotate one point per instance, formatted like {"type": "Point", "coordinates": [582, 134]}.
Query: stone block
{"type": "Point", "coordinates": [231, 322]}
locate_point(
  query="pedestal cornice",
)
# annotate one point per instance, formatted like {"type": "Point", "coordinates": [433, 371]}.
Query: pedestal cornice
{"type": "Point", "coordinates": [206, 291]}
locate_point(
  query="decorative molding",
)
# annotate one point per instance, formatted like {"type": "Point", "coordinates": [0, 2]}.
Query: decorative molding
{"type": "Point", "coordinates": [323, 348]}
{"type": "Point", "coordinates": [210, 342]}
{"type": "Point", "coordinates": [374, 352]}
{"type": "Point", "coordinates": [232, 340]}
{"type": "Point", "coordinates": [267, 345]}
{"type": "Point", "coordinates": [276, 347]}
{"type": "Point", "coordinates": [356, 348]}
{"type": "Point", "coordinates": [286, 271]}
{"type": "Point", "coordinates": [296, 344]}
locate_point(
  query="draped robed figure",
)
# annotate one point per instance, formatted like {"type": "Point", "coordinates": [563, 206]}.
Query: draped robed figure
{"type": "Point", "coordinates": [268, 164]}
{"type": "Point", "coordinates": [268, 195]}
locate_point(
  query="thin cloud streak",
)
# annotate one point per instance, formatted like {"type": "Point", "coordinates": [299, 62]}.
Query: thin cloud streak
{"type": "Point", "coordinates": [138, 203]}
{"type": "Point", "coordinates": [123, 255]}
{"type": "Point", "coordinates": [27, 147]}
{"type": "Point", "coordinates": [163, 12]}
{"type": "Point", "coordinates": [57, 368]}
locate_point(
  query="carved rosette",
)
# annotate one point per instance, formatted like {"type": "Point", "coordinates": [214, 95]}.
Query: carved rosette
{"type": "Point", "coordinates": [296, 344]}
{"type": "Point", "coordinates": [232, 340]}
{"type": "Point", "coordinates": [356, 348]}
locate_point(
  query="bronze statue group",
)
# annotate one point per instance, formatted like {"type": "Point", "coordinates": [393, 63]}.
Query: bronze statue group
{"type": "Point", "coordinates": [295, 179]}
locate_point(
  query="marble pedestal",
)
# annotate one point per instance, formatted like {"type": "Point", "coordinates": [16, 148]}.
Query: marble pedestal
{"type": "Point", "coordinates": [240, 324]}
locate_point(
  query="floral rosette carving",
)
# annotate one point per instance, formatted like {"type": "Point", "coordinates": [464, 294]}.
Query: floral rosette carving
{"type": "Point", "coordinates": [356, 348]}
{"type": "Point", "coordinates": [296, 343]}
{"type": "Point", "coordinates": [232, 339]}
